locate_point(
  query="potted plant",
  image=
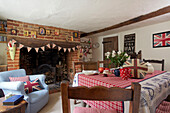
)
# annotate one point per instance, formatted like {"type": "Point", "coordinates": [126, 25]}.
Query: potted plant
{"type": "Point", "coordinates": [118, 59]}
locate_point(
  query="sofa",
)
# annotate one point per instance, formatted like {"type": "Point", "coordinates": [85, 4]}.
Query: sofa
{"type": "Point", "coordinates": [36, 100]}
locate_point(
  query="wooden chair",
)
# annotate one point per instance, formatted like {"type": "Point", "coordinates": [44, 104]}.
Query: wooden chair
{"type": "Point", "coordinates": [156, 61]}
{"type": "Point", "coordinates": [85, 66]}
{"type": "Point", "coordinates": [1, 93]}
{"type": "Point", "coordinates": [105, 63]}
{"type": "Point", "coordinates": [138, 56]}
{"type": "Point", "coordinates": [102, 94]}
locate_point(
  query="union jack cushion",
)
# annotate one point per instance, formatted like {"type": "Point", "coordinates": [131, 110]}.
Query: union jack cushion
{"type": "Point", "coordinates": [138, 67]}
{"type": "Point", "coordinates": [31, 86]}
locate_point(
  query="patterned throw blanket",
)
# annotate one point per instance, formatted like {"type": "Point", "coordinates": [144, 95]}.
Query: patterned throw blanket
{"type": "Point", "coordinates": [155, 87]}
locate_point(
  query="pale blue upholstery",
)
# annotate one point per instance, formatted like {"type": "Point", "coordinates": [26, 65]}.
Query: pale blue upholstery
{"type": "Point", "coordinates": [36, 100]}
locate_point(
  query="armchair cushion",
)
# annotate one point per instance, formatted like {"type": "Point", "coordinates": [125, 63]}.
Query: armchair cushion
{"type": "Point", "coordinates": [31, 86]}
{"type": "Point", "coordinates": [23, 79]}
{"type": "Point", "coordinates": [12, 85]}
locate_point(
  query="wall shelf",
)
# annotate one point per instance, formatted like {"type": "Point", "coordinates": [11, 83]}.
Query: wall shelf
{"type": "Point", "coordinates": [2, 32]}
{"type": "Point", "coordinates": [3, 42]}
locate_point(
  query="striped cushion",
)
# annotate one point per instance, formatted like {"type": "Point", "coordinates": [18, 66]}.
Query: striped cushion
{"type": "Point", "coordinates": [92, 110]}
{"type": "Point", "coordinates": [23, 79]}
{"type": "Point", "coordinates": [164, 107]}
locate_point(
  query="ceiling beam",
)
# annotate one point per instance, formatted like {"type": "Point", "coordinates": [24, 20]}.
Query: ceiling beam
{"type": "Point", "coordinates": [159, 12]}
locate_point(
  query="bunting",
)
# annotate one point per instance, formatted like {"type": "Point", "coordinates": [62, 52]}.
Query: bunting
{"type": "Point", "coordinates": [36, 49]}
{"type": "Point", "coordinates": [13, 41]}
{"type": "Point", "coordinates": [59, 48]}
{"type": "Point", "coordinates": [73, 49]}
{"type": "Point", "coordinates": [48, 45]}
{"type": "Point", "coordinates": [43, 47]}
{"type": "Point", "coordinates": [21, 46]}
{"type": "Point", "coordinates": [65, 49]}
{"type": "Point", "coordinates": [29, 48]}
{"type": "Point", "coordinates": [69, 49]}
{"type": "Point", "coordinates": [54, 45]}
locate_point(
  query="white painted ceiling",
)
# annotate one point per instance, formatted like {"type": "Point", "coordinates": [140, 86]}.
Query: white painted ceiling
{"type": "Point", "coordinates": [83, 15]}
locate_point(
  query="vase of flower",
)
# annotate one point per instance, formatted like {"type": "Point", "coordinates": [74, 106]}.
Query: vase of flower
{"type": "Point", "coordinates": [117, 72]}
{"type": "Point", "coordinates": [118, 59]}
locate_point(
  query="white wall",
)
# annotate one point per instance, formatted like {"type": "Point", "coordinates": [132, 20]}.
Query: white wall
{"type": "Point", "coordinates": [143, 42]}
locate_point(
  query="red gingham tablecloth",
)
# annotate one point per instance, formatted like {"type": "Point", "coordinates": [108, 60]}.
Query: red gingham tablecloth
{"type": "Point", "coordinates": [111, 81]}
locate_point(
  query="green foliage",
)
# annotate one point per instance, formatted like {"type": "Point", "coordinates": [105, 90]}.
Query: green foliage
{"type": "Point", "coordinates": [119, 59]}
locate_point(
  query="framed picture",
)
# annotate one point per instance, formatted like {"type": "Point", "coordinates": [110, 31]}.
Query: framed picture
{"type": "Point", "coordinates": [57, 32]}
{"type": "Point", "coordinates": [75, 34]}
{"type": "Point", "coordinates": [161, 39]}
{"type": "Point", "coordinates": [129, 43]}
{"type": "Point", "coordinates": [48, 32]}
{"type": "Point", "coordinates": [13, 32]}
{"type": "Point", "coordinates": [42, 31]}
{"type": "Point", "coordinates": [33, 34]}
{"type": "Point", "coordinates": [25, 33]}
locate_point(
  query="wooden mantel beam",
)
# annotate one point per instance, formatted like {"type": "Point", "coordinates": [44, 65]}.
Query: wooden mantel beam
{"type": "Point", "coordinates": [159, 12]}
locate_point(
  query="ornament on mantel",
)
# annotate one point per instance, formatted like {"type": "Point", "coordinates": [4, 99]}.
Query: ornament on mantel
{"type": "Point", "coordinates": [12, 49]}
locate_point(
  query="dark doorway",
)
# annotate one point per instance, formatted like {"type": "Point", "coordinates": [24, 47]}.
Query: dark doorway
{"type": "Point", "coordinates": [109, 44]}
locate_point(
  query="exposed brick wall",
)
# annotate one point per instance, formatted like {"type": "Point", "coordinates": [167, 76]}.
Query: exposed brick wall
{"type": "Point", "coordinates": [71, 58]}
{"type": "Point", "coordinates": [21, 26]}
{"type": "Point", "coordinates": [13, 64]}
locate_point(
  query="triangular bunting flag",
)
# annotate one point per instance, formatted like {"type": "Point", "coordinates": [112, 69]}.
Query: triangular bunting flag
{"type": "Point", "coordinates": [54, 45]}
{"type": "Point", "coordinates": [29, 48]}
{"type": "Point", "coordinates": [69, 49]}
{"type": "Point", "coordinates": [43, 48]}
{"type": "Point", "coordinates": [21, 46]}
{"type": "Point", "coordinates": [65, 49]}
{"type": "Point", "coordinates": [48, 45]}
{"type": "Point", "coordinates": [73, 49]}
{"type": "Point", "coordinates": [59, 48]}
{"type": "Point", "coordinates": [36, 49]}
{"type": "Point", "coordinates": [13, 41]}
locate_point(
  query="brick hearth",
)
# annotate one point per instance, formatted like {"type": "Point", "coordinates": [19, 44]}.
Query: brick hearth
{"type": "Point", "coordinates": [21, 26]}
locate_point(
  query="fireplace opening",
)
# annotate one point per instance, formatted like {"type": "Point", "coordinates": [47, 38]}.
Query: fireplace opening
{"type": "Point", "coordinates": [51, 62]}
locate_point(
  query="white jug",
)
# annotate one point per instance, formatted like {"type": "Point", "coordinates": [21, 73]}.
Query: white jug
{"type": "Point", "coordinates": [150, 68]}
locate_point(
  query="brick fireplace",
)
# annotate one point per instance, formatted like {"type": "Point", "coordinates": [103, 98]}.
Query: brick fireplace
{"type": "Point", "coordinates": [62, 40]}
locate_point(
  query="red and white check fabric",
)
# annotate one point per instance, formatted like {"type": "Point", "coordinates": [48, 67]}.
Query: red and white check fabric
{"type": "Point", "coordinates": [164, 107]}
{"type": "Point", "coordinates": [99, 80]}
{"type": "Point", "coordinates": [23, 79]}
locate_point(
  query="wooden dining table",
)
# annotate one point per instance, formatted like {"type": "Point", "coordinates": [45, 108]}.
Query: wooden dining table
{"type": "Point", "coordinates": [155, 87]}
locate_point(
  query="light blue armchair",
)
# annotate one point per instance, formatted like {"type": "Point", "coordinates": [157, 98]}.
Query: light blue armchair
{"type": "Point", "coordinates": [36, 100]}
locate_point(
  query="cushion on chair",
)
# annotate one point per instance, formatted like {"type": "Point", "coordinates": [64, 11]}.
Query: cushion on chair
{"type": "Point", "coordinates": [138, 67]}
{"type": "Point", "coordinates": [164, 107]}
{"type": "Point", "coordinates": [23, 79]}
{"type": "Point", "coordinates": [92, 110]}
{"type": "Point", "coordinates": [31, 86]}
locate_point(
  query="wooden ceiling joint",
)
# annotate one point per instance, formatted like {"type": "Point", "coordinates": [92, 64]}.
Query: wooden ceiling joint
{"type": "Point", "coordinates": [159, 12]}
